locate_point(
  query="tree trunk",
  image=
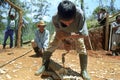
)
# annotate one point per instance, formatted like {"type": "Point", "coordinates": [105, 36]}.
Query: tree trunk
{"type": "Point", "coordinates": [19, 30]}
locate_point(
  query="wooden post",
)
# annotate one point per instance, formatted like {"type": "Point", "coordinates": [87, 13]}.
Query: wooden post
{"type": "Point", "coordinates": [19, 30]}
{"type": "Point", "coordinates": [106, 32]}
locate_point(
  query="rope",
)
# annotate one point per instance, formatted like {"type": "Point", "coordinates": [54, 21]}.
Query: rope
{"type": "Point", "coordinates": [15, 59]}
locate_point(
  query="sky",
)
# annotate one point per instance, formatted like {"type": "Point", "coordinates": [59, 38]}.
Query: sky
{"type": "Point", "coordinates": [90, 5]}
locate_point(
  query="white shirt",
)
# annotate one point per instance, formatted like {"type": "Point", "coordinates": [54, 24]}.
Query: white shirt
{"type": "Point", "coordinates": [42, 39]}
{"type": "Point", "coordinates": [115, 24]}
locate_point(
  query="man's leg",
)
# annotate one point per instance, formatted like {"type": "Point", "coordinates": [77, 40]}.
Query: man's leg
{"type": "Point", "coordinates": [118, 44]}
{"type": "Point", "coordinates": [83, 58]}
{"type": "Point", "coordinates": [83, 65]}
{"type": "Point", "coordinates": [113, 44]}
{"type": "Point", "coordinates": [114, 48]}
{"type": "Point", "coordinates": [37, 52]}
{"type": "Point", "coordinates": [45, 63]}
{"type": "Point", "coordinates": [5, 39]}
{"type": "Point", "coordinates": [11, 38]}
{"type": "Point", "coordinates": [36, 49]}
{"type": "Point", "coordinates": [46, 57]}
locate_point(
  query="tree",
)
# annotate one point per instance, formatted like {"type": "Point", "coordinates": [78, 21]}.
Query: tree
{"type": "Point", "coordinates": [82, 4]}
{"type": "Point", "coordinates": [112, 8]}
{"type": "Point", "coordinates": [2, 5]}
{"type": "Point", "coordinates": [41, 9]}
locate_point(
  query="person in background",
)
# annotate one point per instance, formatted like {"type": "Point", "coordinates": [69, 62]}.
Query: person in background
{"type": "Point", "coordinates": [41, 41]}
{"type": "Point", "coordinates": [115, 36]}
{"type": "Point", "coordinates": [9, 32]}
{"type": "Point", "coordinates": [69, 23]}
{"type": "Point", "coordinates": [102, 14]}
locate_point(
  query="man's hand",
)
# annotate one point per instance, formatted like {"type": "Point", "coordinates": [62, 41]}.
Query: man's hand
{"type": "Point", "coordinates": [41, 50]}
{"type": "Point", "coordinates": [115, 29]}
{"type": "Point", "coordinates": [75, 35]}
{"type": "Point", "coordinates": [67, 44]}
{"type": "Point", "coordinates": [60, 35]}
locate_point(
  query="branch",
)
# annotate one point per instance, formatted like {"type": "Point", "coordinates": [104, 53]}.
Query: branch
{"type": "Point", "coordinates": [114, 15]}
{"type": "Point", "coordinates": [13, 5]}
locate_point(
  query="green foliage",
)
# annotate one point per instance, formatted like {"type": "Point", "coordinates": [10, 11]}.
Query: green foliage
{"type": "Point", "coordinates": [2, 26]}
{"type": "Point", "coordinates": [96, 10]}
{"type": "Point", "coordinates": [41, 9]}
{"type": "Point", "coordinates": [107, 8]}
{"type": "Point", "coordinates": [2, 3]}
{"type": "Point", "coordinates": [1, 37]}
{"type": "Point", "coordinates": [1, 23]}
{"type": "Point", "coordinates": [50, 27]}
{"type": "Point", "coordinates": [92, 23]}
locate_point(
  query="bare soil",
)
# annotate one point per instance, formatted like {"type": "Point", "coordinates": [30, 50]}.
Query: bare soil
{"type": "Point", "coordinates": [101, 65]}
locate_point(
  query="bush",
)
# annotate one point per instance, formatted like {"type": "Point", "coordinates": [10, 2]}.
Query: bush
{"type": "Point", "coordinates": [92, 24]}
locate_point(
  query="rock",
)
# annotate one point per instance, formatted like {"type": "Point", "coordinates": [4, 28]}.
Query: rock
{"type": "Point", "coordinates": [72, 78]}
{"type": "Point", "coordinates": [2, 71]}
{"type": "Point", "coordinates": [8, 76]}
{"type": "Point", "coordinates": [10, 53]}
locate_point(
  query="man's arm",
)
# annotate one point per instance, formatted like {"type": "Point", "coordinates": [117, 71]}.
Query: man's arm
{"type": "Point", "coordinates": [46, 43]}
{"type": "Point", "coordinates": [115, 28]}
{"type": "Point", "coordinates": [37, 39]}
{"type": "Point", "coordinates": [10, 11]}
{"type": "Point", "coordinates": [15, 13]}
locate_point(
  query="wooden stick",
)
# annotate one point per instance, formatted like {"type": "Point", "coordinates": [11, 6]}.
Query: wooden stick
{"type": "Point", "coordinates": [13, 5]}
{"type": "Point", "coordinates": [15, 59]}
{"type": "Point", "coordinates": [90, 42]}
{"type": "Point", "coordinates": [110, 39]}
{"type": "Point", "coordinates": [106, 32]}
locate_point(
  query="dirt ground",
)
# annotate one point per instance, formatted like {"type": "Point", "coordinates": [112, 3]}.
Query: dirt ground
{"type": "Point", "coordinates": [101, 65]}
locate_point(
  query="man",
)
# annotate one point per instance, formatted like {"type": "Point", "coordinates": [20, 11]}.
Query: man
{"type": "Point", "coordinates": [115, 36]}
{"type": "Point", "coordinates": [41, 41]}
{"type": "Point", "coordinates": [102, 16]}
{"type": "Point", "coordinates": [69, 23]}
{"type": "Point", "coordinates": [9, 29]}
